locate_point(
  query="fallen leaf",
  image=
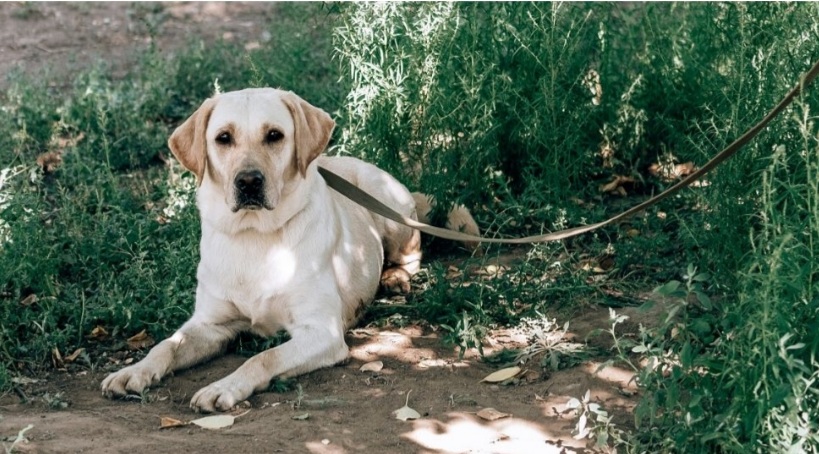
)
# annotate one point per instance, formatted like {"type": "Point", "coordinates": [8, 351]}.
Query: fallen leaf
{"type": "Point", "coordinates": [502, 375]}
{"type": "Point", "coordinates": [301, 417]}
{"type": "Point", "coordinates": [24, 380]}
{"type": "Point", "coordinates": [66, 142]}
{"type": "Point", "coordinates": [215, 422]}
{"type": "Point", "coordinates": [453, 272]}
{"type": "Point", "coordinates": [406, 413]}
{"type": "Point", "coordinates": [373, 366]}
{"type": "Point", "coordinates": [29, 300]}
{"type": "Point", "coordinates": [490, 414]}
{"type": "Point", "coordinates": [140, 340]}
{"type": "Point", "coordinates": [532, 376]}
{"type": "Point", "coordinates": [57, 358]}
{"type": "Point", "coordinates": [98, 333]}
{"type": "Point", "coordinates": [670, 171]}
{"type": "Point", "coordinates": [50, 161]}
{"type": "Point", "coordinates": [616, 185]}
{"type": "Point", "coordinates": [166, 422]}
{"type": "Point", "coordinates": [70, 358]}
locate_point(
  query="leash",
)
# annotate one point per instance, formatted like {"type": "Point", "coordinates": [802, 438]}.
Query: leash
{"type": "Point", "coordinates": [369, 202]}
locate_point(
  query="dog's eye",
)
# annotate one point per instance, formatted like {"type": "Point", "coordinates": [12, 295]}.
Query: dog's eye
{"type": "Point", "coordinates": [224, 138]}
{"type": "Point", "coordinates": [273, 136]}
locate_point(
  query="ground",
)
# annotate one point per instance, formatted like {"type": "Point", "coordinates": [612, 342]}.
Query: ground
{"type": "Point", "coordinates": [347, 410]}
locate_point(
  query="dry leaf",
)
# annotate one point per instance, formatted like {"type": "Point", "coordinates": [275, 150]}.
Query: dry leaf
{"type": "Point", "coordinates": [140, 340]}
{"type": "Point", "coordinates": [490, 414]}
{"type": "Point", "coordinates": [66, 142]}
{"type": "Point", "coordinates": [24, 380]}
{"type": "Point", "coordinates": [57, 358]}
{"type": "Point", "coordinates": [502, 375]}
{"type": "Point", "coordinates": [373, 366]}
{"type": "Point", "coordinates": [406, 413]}
{"type": "Point", "coordinates": [616, 185]}
{"type": "Point", "coordinates": [50, 161]}
{"type": "Point", "coordinates": [29, 300]}
{"type": "Point", "coordinates": [98, 333]}
{"type": "Point", "coordinates": [166, 422]}
{"type": "Point", "coordinates": [70, 358]}
{"type": "Point", "coordinates": [532, 376]}
{"type": "Point", "coordinates": [453, 272]}
{"type": "Point", "coordinates": [670, 171]}
{"type": "Point", "coordinates": [215, 422]}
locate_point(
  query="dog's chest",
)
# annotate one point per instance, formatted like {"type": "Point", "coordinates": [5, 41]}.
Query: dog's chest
{"type": "Point", "coordinates": [246, 272]}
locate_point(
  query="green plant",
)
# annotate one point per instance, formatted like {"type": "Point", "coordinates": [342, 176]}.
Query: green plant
{"type": "Point", "coordinates": [594, 423]}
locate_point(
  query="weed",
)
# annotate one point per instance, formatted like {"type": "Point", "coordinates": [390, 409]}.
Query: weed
{"type": "Point", "coordinates": [594, 423]}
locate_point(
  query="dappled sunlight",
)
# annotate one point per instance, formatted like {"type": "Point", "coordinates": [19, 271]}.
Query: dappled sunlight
{"type": "Point", "coordinates": [538, 418]}
{"type": "Point", "coordinates": [618, 376]}
{"type": "Point", "coordinates": [181, 190]}
{"type": "Point", "coordinates": [400, 346]}
{"type": "Point", "coordinates": [465, 432]}
{"type": "Point", "coordinates": [6, 196]}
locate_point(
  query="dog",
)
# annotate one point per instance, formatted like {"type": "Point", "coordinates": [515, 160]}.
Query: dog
{"type": "Point", "coordinates": [279, 249]}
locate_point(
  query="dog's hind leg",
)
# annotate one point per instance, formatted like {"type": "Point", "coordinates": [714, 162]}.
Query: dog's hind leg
{"type": "Point", "coordinates": [459, 218]}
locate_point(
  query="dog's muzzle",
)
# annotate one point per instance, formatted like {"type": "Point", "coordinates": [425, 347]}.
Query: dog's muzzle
{"type": "Point", "coordinates": [250, 194]}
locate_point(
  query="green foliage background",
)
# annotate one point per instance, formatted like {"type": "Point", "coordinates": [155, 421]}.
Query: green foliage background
{"type": "Point", "coordinates": [512, 109]}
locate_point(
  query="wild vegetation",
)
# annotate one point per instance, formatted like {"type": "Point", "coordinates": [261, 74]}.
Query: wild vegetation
{"type": "Point", "coordinates": [537, 117]}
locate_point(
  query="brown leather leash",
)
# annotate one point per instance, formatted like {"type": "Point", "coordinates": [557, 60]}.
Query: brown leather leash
{"type": "Point", "coordinates": [369, 202]}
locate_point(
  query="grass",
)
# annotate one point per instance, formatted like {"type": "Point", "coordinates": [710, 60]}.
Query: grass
{"type": "Point", "coordinates": [519, 111]}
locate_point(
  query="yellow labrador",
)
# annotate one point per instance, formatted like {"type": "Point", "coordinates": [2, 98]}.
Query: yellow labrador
{"type": "Point", "coordinates": [279, 249]}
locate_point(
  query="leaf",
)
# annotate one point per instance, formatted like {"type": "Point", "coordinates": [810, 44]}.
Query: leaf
{"type": "Point", "coordinates": [373, 366]}
{"type": "Point", "coordinates": [166, 422]}
{"type": "Point", "coordinates": [24, 380]}
{"type": "Point", "coordinates": [70, 358]}
{"type": "Point", "coordinates": [29, 300]}
{"type": "Point", "coordinates": [406, 413]}
{"type": "Point", "coordinates": [303, 417]}
{"type": "Point", "coordinates": [704, 300]}
{"type": "Point", "coordinates": [639, 349]}
{"type": "Point", "coordinates": [668, 288]}
{"type": "Point", "coordinates": [98, 333]}
{"type": "Point", "coordinates": [573, 403]}
{"type": "Point", "coordinates": [490, 414]}
{"type": "Point", "coordinates": [140, 340]}
{"type": "Point", "coordinates": [502, 375]}
{"type": "Point", "coordinates": [214, 422]}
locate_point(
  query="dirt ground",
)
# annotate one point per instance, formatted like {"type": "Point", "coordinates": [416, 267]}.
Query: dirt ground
{"type": "Point", "coordinates": [347, 410]}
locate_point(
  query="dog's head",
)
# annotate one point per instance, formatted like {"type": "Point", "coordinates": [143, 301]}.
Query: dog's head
{"type": "Point", "coordinates": [250, 145]}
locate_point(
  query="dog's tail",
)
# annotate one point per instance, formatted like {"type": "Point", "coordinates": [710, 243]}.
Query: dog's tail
{"type": "Point", "coordinates": [459, 218]}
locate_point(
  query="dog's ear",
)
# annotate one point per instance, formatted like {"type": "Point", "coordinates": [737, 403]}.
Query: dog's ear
{"type": "Point", "coordinates": [313, 128]}
{"type": "Point", "coordinates": [188, 142]}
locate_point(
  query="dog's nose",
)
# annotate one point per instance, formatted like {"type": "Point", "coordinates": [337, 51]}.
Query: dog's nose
{"type": "Point", "coordinates": [249, 181]}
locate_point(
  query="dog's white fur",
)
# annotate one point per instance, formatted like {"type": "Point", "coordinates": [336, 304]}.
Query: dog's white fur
{"type": "Point", "coordinates": [304, 259]}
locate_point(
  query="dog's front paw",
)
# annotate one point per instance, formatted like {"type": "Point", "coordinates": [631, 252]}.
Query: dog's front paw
{"type": "Point", "coordinates": [130, 380]}
{"type": "Point", "coordinates": [221, 395]}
